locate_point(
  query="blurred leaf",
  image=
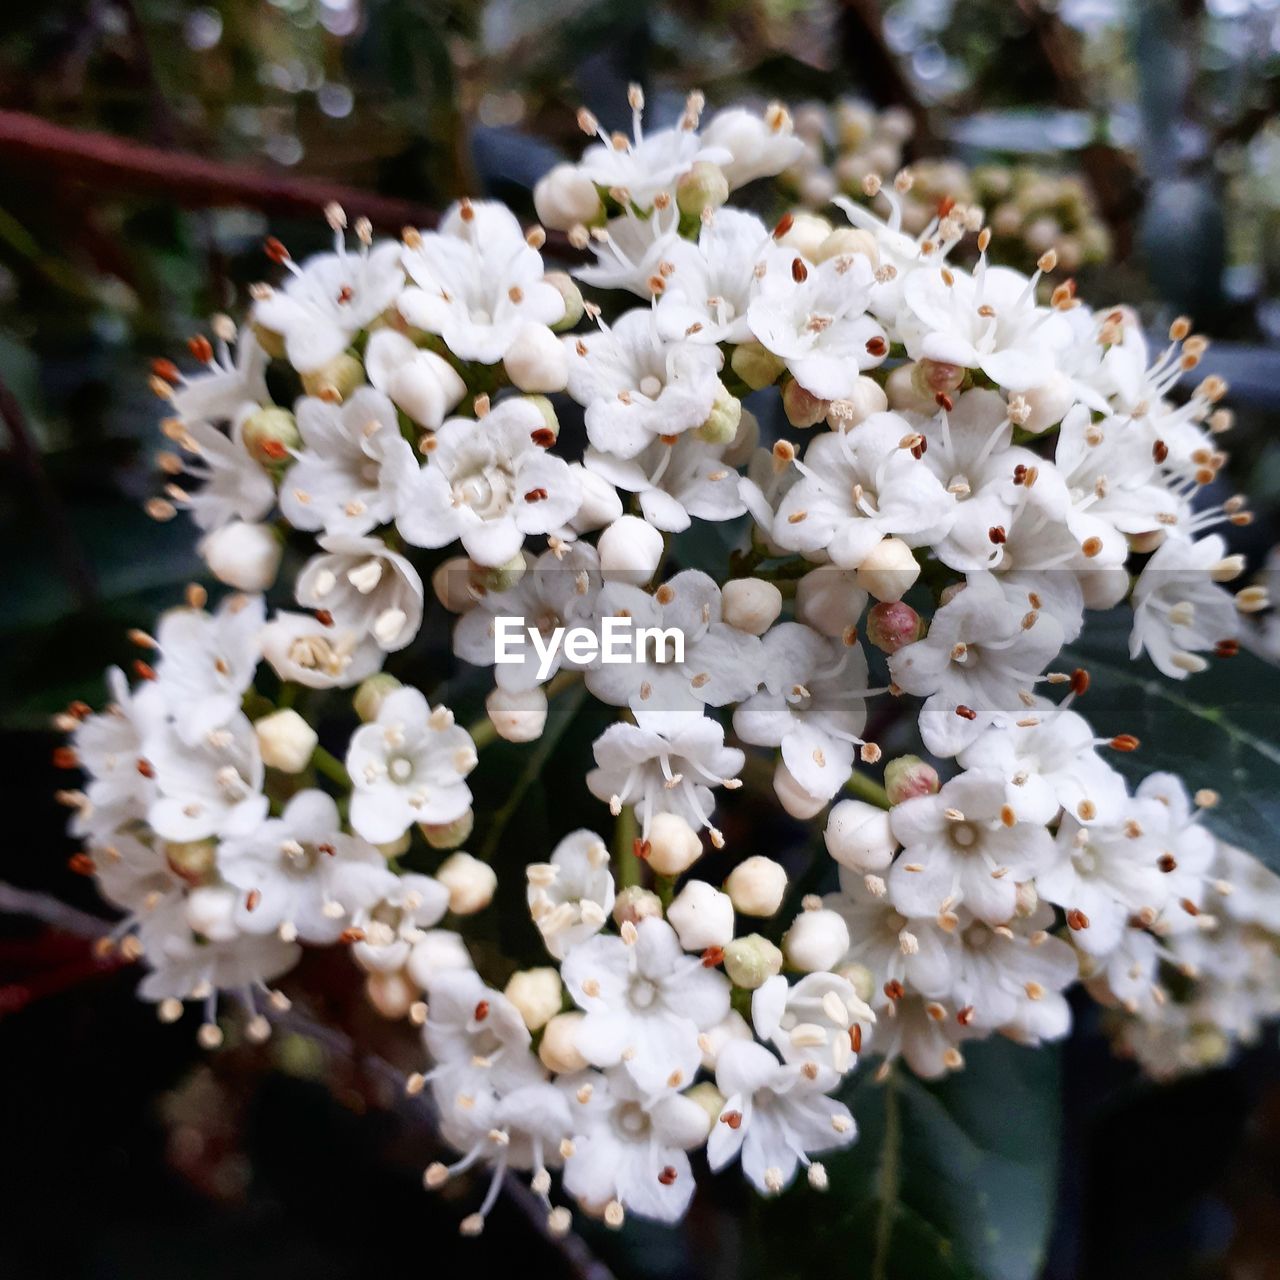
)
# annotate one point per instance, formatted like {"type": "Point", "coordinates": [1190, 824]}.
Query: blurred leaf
{"type": "Point", "coordinates": [947, 1180]}
{"type": "Point", "coordinates": [1218, 729]}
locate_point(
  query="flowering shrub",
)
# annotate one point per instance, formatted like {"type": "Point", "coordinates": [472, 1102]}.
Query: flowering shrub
{"type": "Point", "coordinates": [981, 470]}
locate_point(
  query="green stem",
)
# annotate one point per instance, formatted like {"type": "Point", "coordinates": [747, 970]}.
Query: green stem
{"type": "Point", "coordinates": [866, 788]}
{"type": "Point", "coordinates": [330, 767]}
{"type": "Point", "coordinates": [888, 1180]}
{"type": "Point", "coordinates": [624, 854]}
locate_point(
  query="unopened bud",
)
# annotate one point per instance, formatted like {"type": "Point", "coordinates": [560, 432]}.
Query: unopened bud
{"type": "Point", "coordinates": [890, 571]}
{"type": "Point", "coordinates": [371, 693]}
{"type": "Point", "coordinates": [1048, 404]}
{"type": "Point", "coordinates": [702, 916]}
{"type": "Point", "coordinates": [448, 835]}
{"type": "Point", "coordinates": [191, 860]}
{"type": "Point", "coordinates": [904, 396]}
{"type": "Point", "coordinates": [270, 435]}
{"type": "Point", "coordinates": [816, 941]}
{"type": "Point", "coordinates": [471, 883]}
{"type": "Point", "coordinates": [830, 600]}
{"type": "Point", "coordinates": [794, 799]}
{"type": "Point", "coordinates": [860, 978]}
{"type": "Point", "coordinates": [703, 187]}
{"type": "Point", "coordinates": [674, 845]}
{"type": "Point", "coordinates": [243, 555]}
{"type": "Point", "coordinates": [866, 398]}
{"type": "Point", "coordinates": [806, 234]}
{"type": "Point", "coordinates": [286, 741]}
{"type": "Point", "coordinates": [757, 886]}
{"type": "Point", "coordinates": [709, 1098]}
{"type": "Point", "coordinates": [630, 551]}
{"type": "Point", "coordinates": [537, 994]}
{"type": "Point", "coordinates": [499, 578]}
{"type": "Point", "coordinates": [437, 951]}
{"type": "Point", "coordinates": [536, 360]}
{"type": "Point", "coordinates": [846, 241]}
{"type": "Point", "coordinates": [907, 777]}
{"type": "Point", "coordinates": [751, 604]}
{"type": "Point", "coordinates": [391, 994]}
{"type": "Point", "coordinates": [564, 197]}
{"type": "Point", "coordinates": [751, 961]}
{"type": "Point", "coordinates": [572, 295]}
{"type": "Point", "coordinates": [634, 904]}
{"type": "Point", "coordinates": [802, 408]}
{"type": "Point", "coordinates": [558, 1048]}
{"type": "Point", "coordinates": [451, 582]}
{"type": "Point", "coordinates": [893, 624]}
{"type": "Point", "coordinates": [935, 377]}
{"type": "Point", "coordinates": [519, 715]}
{"type": "Point", "coordinates": [340, 377]}
{"type": "Point", "coordinates": [756, 366]}
{"type": "Point", "coordinates": [858, 836]}
{"type": "Point", "coordinates": [722, 425]}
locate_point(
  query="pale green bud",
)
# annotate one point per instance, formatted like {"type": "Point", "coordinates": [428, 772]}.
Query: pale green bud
{"type": "Point", "coordinates": [751, 961]}
{"type": "Point", "coordinates": [368, 697]}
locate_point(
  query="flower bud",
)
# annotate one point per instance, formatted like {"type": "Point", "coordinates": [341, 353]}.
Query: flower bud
{"type": "Point", "coordinates": [245, 556]}
{"type": "Point", "coordinates": [391, 994]}
{"type": "Point", "coordinates": [702, 916]}
{"type": "Point", "coordinates": [844, 241]}
{"type": "Point", "coordinates": [756, 366]}
{"type": "Point", "coordinates": [892, 624]}
{"type": "Point", "coordinates": [519, 715]}
{"type": "Point", "coordinates": [806, 234]}
{"type": "Point", "coordinates": [426, 388]}
{"type": "Point", "coordinates": [501, 577]}
{"type": "Point", "coordinates": [703, 187]}
{"type": "Point", "coordinates": [798, 802]}
{"type": "Point", "coordinates": [449, 835]}
{"type": "Point", "coordinates": [537, 994]}
{"type": "Point", "coordinates": [536, 360]}
{"type": "Point", "coordinates": [860, 978]}
{"type": "Point", "coordinates": [868, 397]}
{"type": "Point", "coordinates": [270, 434]}
{"type": "Point", "coordinates": [370, 694]}
{"type": "Point", "coordinates": [674, 845]}
{"type": "Point", "coordinates": [751, 961]}
{"type": "Point", "coordinates": [600, 505]}
{"type": "Point", "coordinates": [757, 886]}
{"type": "Point", "coordinates": [816, 941]}
{"type": "Point", "coordinates": [751, 604]}
{"type": "Point", "coordinates": [908, 777]}
{"type": "Point", "coordinates": [341, 376]}
{"type": "Point", "coordinates": [191, 860]}
{"type": "Point", "coordinates": [451, 582]}
{"type": "Point", "coordinates": [858, 836]}
{"type": "Point", "coordinates": [269, 340]}
{"type": "Point", "coordinates": [709, 1098]}
{"type": "Point", "coordinates": [565, 196]}
{"type": "Point", "coordinates": [572, 295]}
{"type": "Point", "coordinates": [830, 600]}
{"type": "Point", "coordinates": [210, 912]}
{"type": "Point", "coordinates": [890, 571]}
{"type": "Point", "coordinates": [1104, 588]}
{"type": "Point", "coordinates": [558, 1048]}
{"type": "Point", "coordinates": [1048, 404]}
{"type": "Point", "coordinates": [471, 883]}
{"type": "Point", "coordinates": [395, 848]}
{"type": "Point", "coordinates": [436, 951]}
{"type": "Point", "coordinates": [801, 408]}
{"type": "Point", "coordinates": [733, 1026]}
{"type": "Point", "coordinates": [722, 425]}
{"type": "Point", "coordinates": [935, 377]}
{"type": "Point", "coordinates": [634, 904]}
{"type": "Point", "coordinates": [630, 551]}
{"type": "Point", "coordinates": [904, 396]}
{"type": "Point", "coordinates": [286, 741]}
{"type": "Point", "coordinates": [745, 441]}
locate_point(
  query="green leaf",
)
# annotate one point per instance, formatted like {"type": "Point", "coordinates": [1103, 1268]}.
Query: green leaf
{"type": "Point", "coordinates": [947, 1181]}
{"type": "Point", "coordinates": [1218, 729]}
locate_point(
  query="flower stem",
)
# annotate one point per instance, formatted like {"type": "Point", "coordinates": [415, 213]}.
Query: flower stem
{"type": "Point", "coordinates": [867, 788]}
{"type": "Point", "coordinates": [624, 838]}
{"type": "Point", "coordinates": [330, 767]}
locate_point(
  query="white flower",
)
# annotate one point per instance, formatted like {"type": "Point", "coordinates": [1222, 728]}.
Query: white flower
{"type": "Point", "coordinates": [408, 766]}
{"type": "Point", "coordinates": [989, 320]}
{"type": "Point", "coordinates": [665, 773]}
{"type": "Point", "coordinates": [677, 481]}
{"type": "Point", "coordinates": [858, 487]}
{"type": "Point", "coordinates": [420, 383]}
{"type": "Point", "coordinates": [330, 298]}
{"type": "Point", "coordinates": [229, 385]}
{"type": "Point", "coordinates": [759, 146]}
{"type": "Point", "coordinates": [571, 896]}
{"type": "Point", "coordinates": [320, 655]}
{"type": "Point", "coordinates": [925, 1033]}
{"type": "Point", "coordinates": [1178, 608]}
{"type": "Point", "coordinates": [207, 662]}
{"type": "Point", "coordinates": [108, 748]}
{"type": "Point", "coordinates": [633, 252]}
{"type": "Point", "coordinates": [355, 464]}
{"type": "Point", "coordinates": [812, 706]}
{"type": "Point", "coordinates": [137, 875]}
{"type": "Point", "coordinates": [629, 1149]}
{"type": "Point", "coordinates": [232, 485]}
{"type": "Point", "coordinates": [1048, 761]}
{"type": "Point", "coordinates": [720, 663]}
{"type": "Point", "coordinates": [813, 316]}
{"type": "Point", "coordinates": [813, 1021]}
{"type": "Point", "coordinates": [556, 590]}
{"type": "Point", "coordinates": [299, 875]}
{"type": "Point", "coordinates": [774, 1115]}
{"type": "Point", "coordinates": [363, 584]}
{"type": "Point", "coordinates": [706, 295]}
{"type": "Point", "coordinates": [645, 1002]}
{"type": "Point", "coordinates": [490, 483]}
{"type": "Point", "coordinates": [392, 921]}
{"type": "Point", "coordinates": [637, 387]}
{"type": "Point", "coordinates": [477, 282]}
{"type": "Point", "coordinates": [244, 556]}
{"type": "Point", "coordinates": [958, 846]}
{"type": "Point", "coordinates": [1165, 815]}
{"type": "Point", "coordinates": [1103, 875]}
{"type": "Point", "coordinates": [980, 656]}
{"type": "Point", "coordinates": [207, 787]}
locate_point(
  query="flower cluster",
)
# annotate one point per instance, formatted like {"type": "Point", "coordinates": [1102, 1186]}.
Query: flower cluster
{"type": "Point", "coordinates": [982, 468]}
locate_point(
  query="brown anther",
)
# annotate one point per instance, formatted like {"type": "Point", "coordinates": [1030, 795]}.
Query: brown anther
{"type": "Point", "coordinates": [894, 989]}
{"type": "Point", "coordinates": [712, 956]}
{"type": "Point", "coordinates": [324, 617]}
{"type": "Point", "coordinates": [353, 934]}
{"type": "Point", "coordinates": [252, 898]}
{"type": "Point", "coordinates": [997, 534]}
{"type": "Point", "coordinates": [80, 864]}
{"type": "Point", "coordinates": [201, 348]}
{"type": "Point", "coordinates": [783, 225]}
{"type": "Point", "coordinates": [536, 495]}
{"type": "Point", "coordinates": [146, 768]}
{"type": "Point", "coordinates": [877, 347]}
{"type": "Point", "coordinates": [166, 371]}
{"type": "Point", "coordinates": [1077, 920]}
{"type": "Point", "coordinates": [964, 1016]}
{"type": "Point", "coordinates": [327, 849]}
{"type": "Point", "coordinates": [1019, 473]}
{"type": "Point", "coordinates": [80, 710]}
{"type": "Point", "coordinates": [1079, 682]}
{"type": "Point", "coordinates": [1124, 742]}
{"type": "Point", "coordinates": [275, 250]}
{"type": "Point", "coordinates": [345, 294]}
{"type": "Point", "coordinates": [1226, 648]}
{"type": "Point", "coordinates": [274, 450]}
{"type": "Point", "coordinates": [966, 713]}
{"type": "Point", "coordinates": [143, 670]}
{"type": "Point", "coordinates": [732, 1118]}
{"type": "Point", "coordinates": [543, 437]}
{"type": "Point", "coordinates": [799, 272]}
{"type": "Point", "coordinates": [481, 1011]}
{"type": "Point", "coordinates": [1159, 451]}
{"type": "Point", "coordinates": [667, 1175]}
{"type": "Point", "coordinates": [1091, 547]}
{"type": "Point", "coordinates": [641, 849]}
{"type": "Point", "coordinates": [855, 1037]}
{"type": "Point", "coordinates": [65, 758]}
{"type": "Point", "coordinates": [1167, 863]}
{"type": "Point", "coordinates": [1189, 907]}
{"type": "Point", "coordinates": [944, 401]}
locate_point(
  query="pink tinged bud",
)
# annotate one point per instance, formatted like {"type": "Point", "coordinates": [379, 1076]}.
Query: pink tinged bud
{"type": "Point", "coordinates": [892, 624]}
{"type": "Point", "coordinates": [933, 377]}
{"type": "Point", "coordinates": [908, 777]}
{"type": "Point", "coordinates": [801, 408]}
